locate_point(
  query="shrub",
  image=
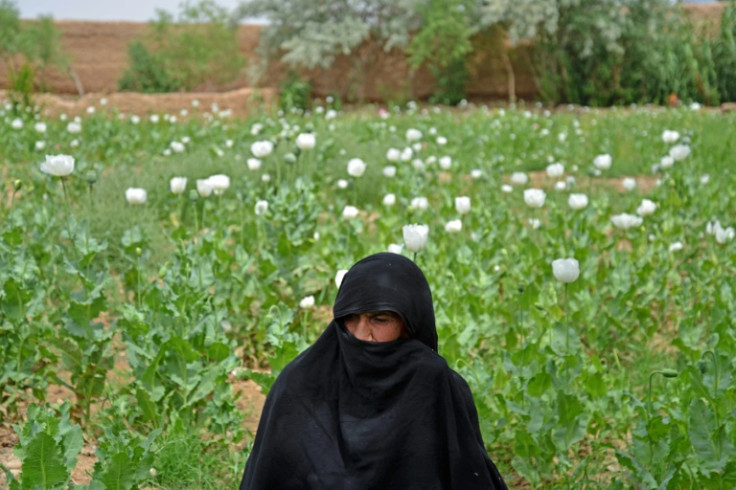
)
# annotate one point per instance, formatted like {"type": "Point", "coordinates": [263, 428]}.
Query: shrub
{"type": "Point", "coordinates": [28, 51]}
{"type": "Point", "coordinates": [200, 48]}
{"type": "Point", "coordinates": [294, 92]}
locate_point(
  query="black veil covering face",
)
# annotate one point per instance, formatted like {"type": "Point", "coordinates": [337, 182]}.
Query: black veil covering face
{"type": "Point", "coordinates": [353, 415]}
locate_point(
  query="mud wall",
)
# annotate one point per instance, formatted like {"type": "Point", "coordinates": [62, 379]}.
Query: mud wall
{"type": "Point", "coordinates": [99, 51]}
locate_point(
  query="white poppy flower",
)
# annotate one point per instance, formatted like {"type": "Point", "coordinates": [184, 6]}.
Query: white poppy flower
{"type": "Point", "coordinates": [441, 140]}
{"type": "Point", "coordinates": [40, 145]}
{"type": "Point", "coordinates": [307, 302]}
{"type": "Point", "coordinates": [350, 212]}
{"type": "Point", "coordinates": [666, 161]}
{"type": "Point", "coordinates": [356, 167]}
{"type": "Point", "coordinates": [220, 183]}
{"type": "Point", "coordinates": [406, 154]}
{"type": "Point", "coordinates": [628, 183]}
{"type": "Point", "coordinates": [679, 152]}
{"type": "Point", "coordinates": [723, 235]}
{"type": "Point", "coordinates": [340, 276]}
{"type": "Point", "coordinates": [177, 146]}
{"type": "Point", "coordinates": [454, 226]}
{"type": "Point", "coordinates": [577, 201]}
{"type": "Point", "coordinates": [17, 123]}
{"type": "Point", "coordinates": [261, 207]}
{"type": "Point", "coordinates": [342, 184]}
{"type": "Point", "coordinates": [534, 197]}
{"type": "Point", "coordinates": [462, 204]}
{"type": "Point", "coordinates": [261, 149]}
{"type": "Point", "coordinates": [566, 270]}
{"type": "Point", "coordinates": [603, 162]}
{"type": "Point", "coordinates": [389, 171]}
{"type": "Point", "coordinates": [669, 136]}
{"type": "Point", "coordinates": [40, 127]}
{"type": "Point", "coordinates": [535, 223]}
{"type": "Point", "coordinates": [204, 187]}
{"type": "Point", "coordinates": [389, 199]}
{"type": "Point", "coordinates": [626, 221]}
{"type": "Point", "coordinates": [419, 203]}
{"type": "Point", "coordinates": [306, 141]}
{"type": "Point", "coordinates": [519, 178]}
{"type": "Point", "coordinates": [646, 208]}
{"type": "Point", "coordinates": [445, 162]}
{"type": "Point", "coordinates": [417, 164]}
{"type": "Point", "coordinates": [74, 127]}
{"type": "Point", "coordinates": [674, 247]}
{"type": "Point", "coordinates": [476, 173]}
{"type": "Point", "coordinates": [413, 134]}
{"type": "Point", "coordinates": [506, 188]}
{"type": "Point", "coordinates": [58, 165]}
{"type": "Point", "coordinates": [395, 248]}
{"type": "Point", "coordinates": [415, 237]}
{"type": "Point", "coordinates": [178, 185]}
{"type": "Point", "coordinates": [136, 195]}
{"type": "Point", "coordinates": [253, 164]}
{"type": "Point", "coordinates": [393, 155]}
{"type": "Point", "coordinates": [555, 170]}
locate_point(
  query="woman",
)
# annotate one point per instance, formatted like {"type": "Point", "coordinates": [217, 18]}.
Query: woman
{"type": "Point", "coordinates": [371, 405]}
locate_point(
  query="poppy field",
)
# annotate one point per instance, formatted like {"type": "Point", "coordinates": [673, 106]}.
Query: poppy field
{"type": "Point", "coordinates": [582, 264]}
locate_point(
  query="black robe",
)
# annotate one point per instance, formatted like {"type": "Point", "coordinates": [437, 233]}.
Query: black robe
{"type": "Point", "coordinates": [348, 414]}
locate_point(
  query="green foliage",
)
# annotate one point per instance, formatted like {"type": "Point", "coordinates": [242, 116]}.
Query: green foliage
{"type": "Point", "coordinates": [723, 52]}
{"type": "Point", "coordinates": [646, 51]}
{"type": "Point", "coordinates": [9, 28]}
{"type": "Point", "coordinates": [42, 45]}
{"type": "Point", "coordinates": [48, 446]}
{"type": "Point", "coordinates": [189, 294]}
{"type": "Point", "coordinates": [443, 42]}
{"type": "Point", "coordinates": [124, 458]}
{"type": "Point", "coordinates": [146, 72]}
{"type": "Point", "coordinates": [294, 93]}
{"type": "Point", "coordinates": [308, 34]}
{"type": "Point", "coordinates": [27, 51]}
{"type": "Point", "coordinates": [198, 49]}
{"type": "Point", "coordinates": [311, 34]}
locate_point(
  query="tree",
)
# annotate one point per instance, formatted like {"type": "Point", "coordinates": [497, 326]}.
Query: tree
{"type": "Point", "coordinates": [309, 34]}
{"type": "Point", "coordinates": [444, 42]}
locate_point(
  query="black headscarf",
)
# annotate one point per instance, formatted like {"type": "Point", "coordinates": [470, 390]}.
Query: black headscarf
{"type": "Point", "coordinates": [353, 415]}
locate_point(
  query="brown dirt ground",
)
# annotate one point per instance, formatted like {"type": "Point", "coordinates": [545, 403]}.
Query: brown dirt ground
{"type": "Point", "coordinates": [242, 102]}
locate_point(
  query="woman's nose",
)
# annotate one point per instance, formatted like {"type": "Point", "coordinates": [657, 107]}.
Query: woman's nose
{"type": "Point", "coordinates": [362, 329]}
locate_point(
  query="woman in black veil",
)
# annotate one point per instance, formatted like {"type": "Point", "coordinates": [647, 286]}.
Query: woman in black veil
{"type": "Point", "coordinates": [371, 405]}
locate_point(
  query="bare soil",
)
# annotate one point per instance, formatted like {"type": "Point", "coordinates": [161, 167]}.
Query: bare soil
{"type": "Point", "coordinates": [241, 102]}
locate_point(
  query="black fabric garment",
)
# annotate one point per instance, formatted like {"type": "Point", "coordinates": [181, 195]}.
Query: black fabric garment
{"type": "Point", "coordinates": [353, 415]}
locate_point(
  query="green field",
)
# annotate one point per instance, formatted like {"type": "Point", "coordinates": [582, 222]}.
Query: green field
{"type": "Point", "coordinates": [623, 378]}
